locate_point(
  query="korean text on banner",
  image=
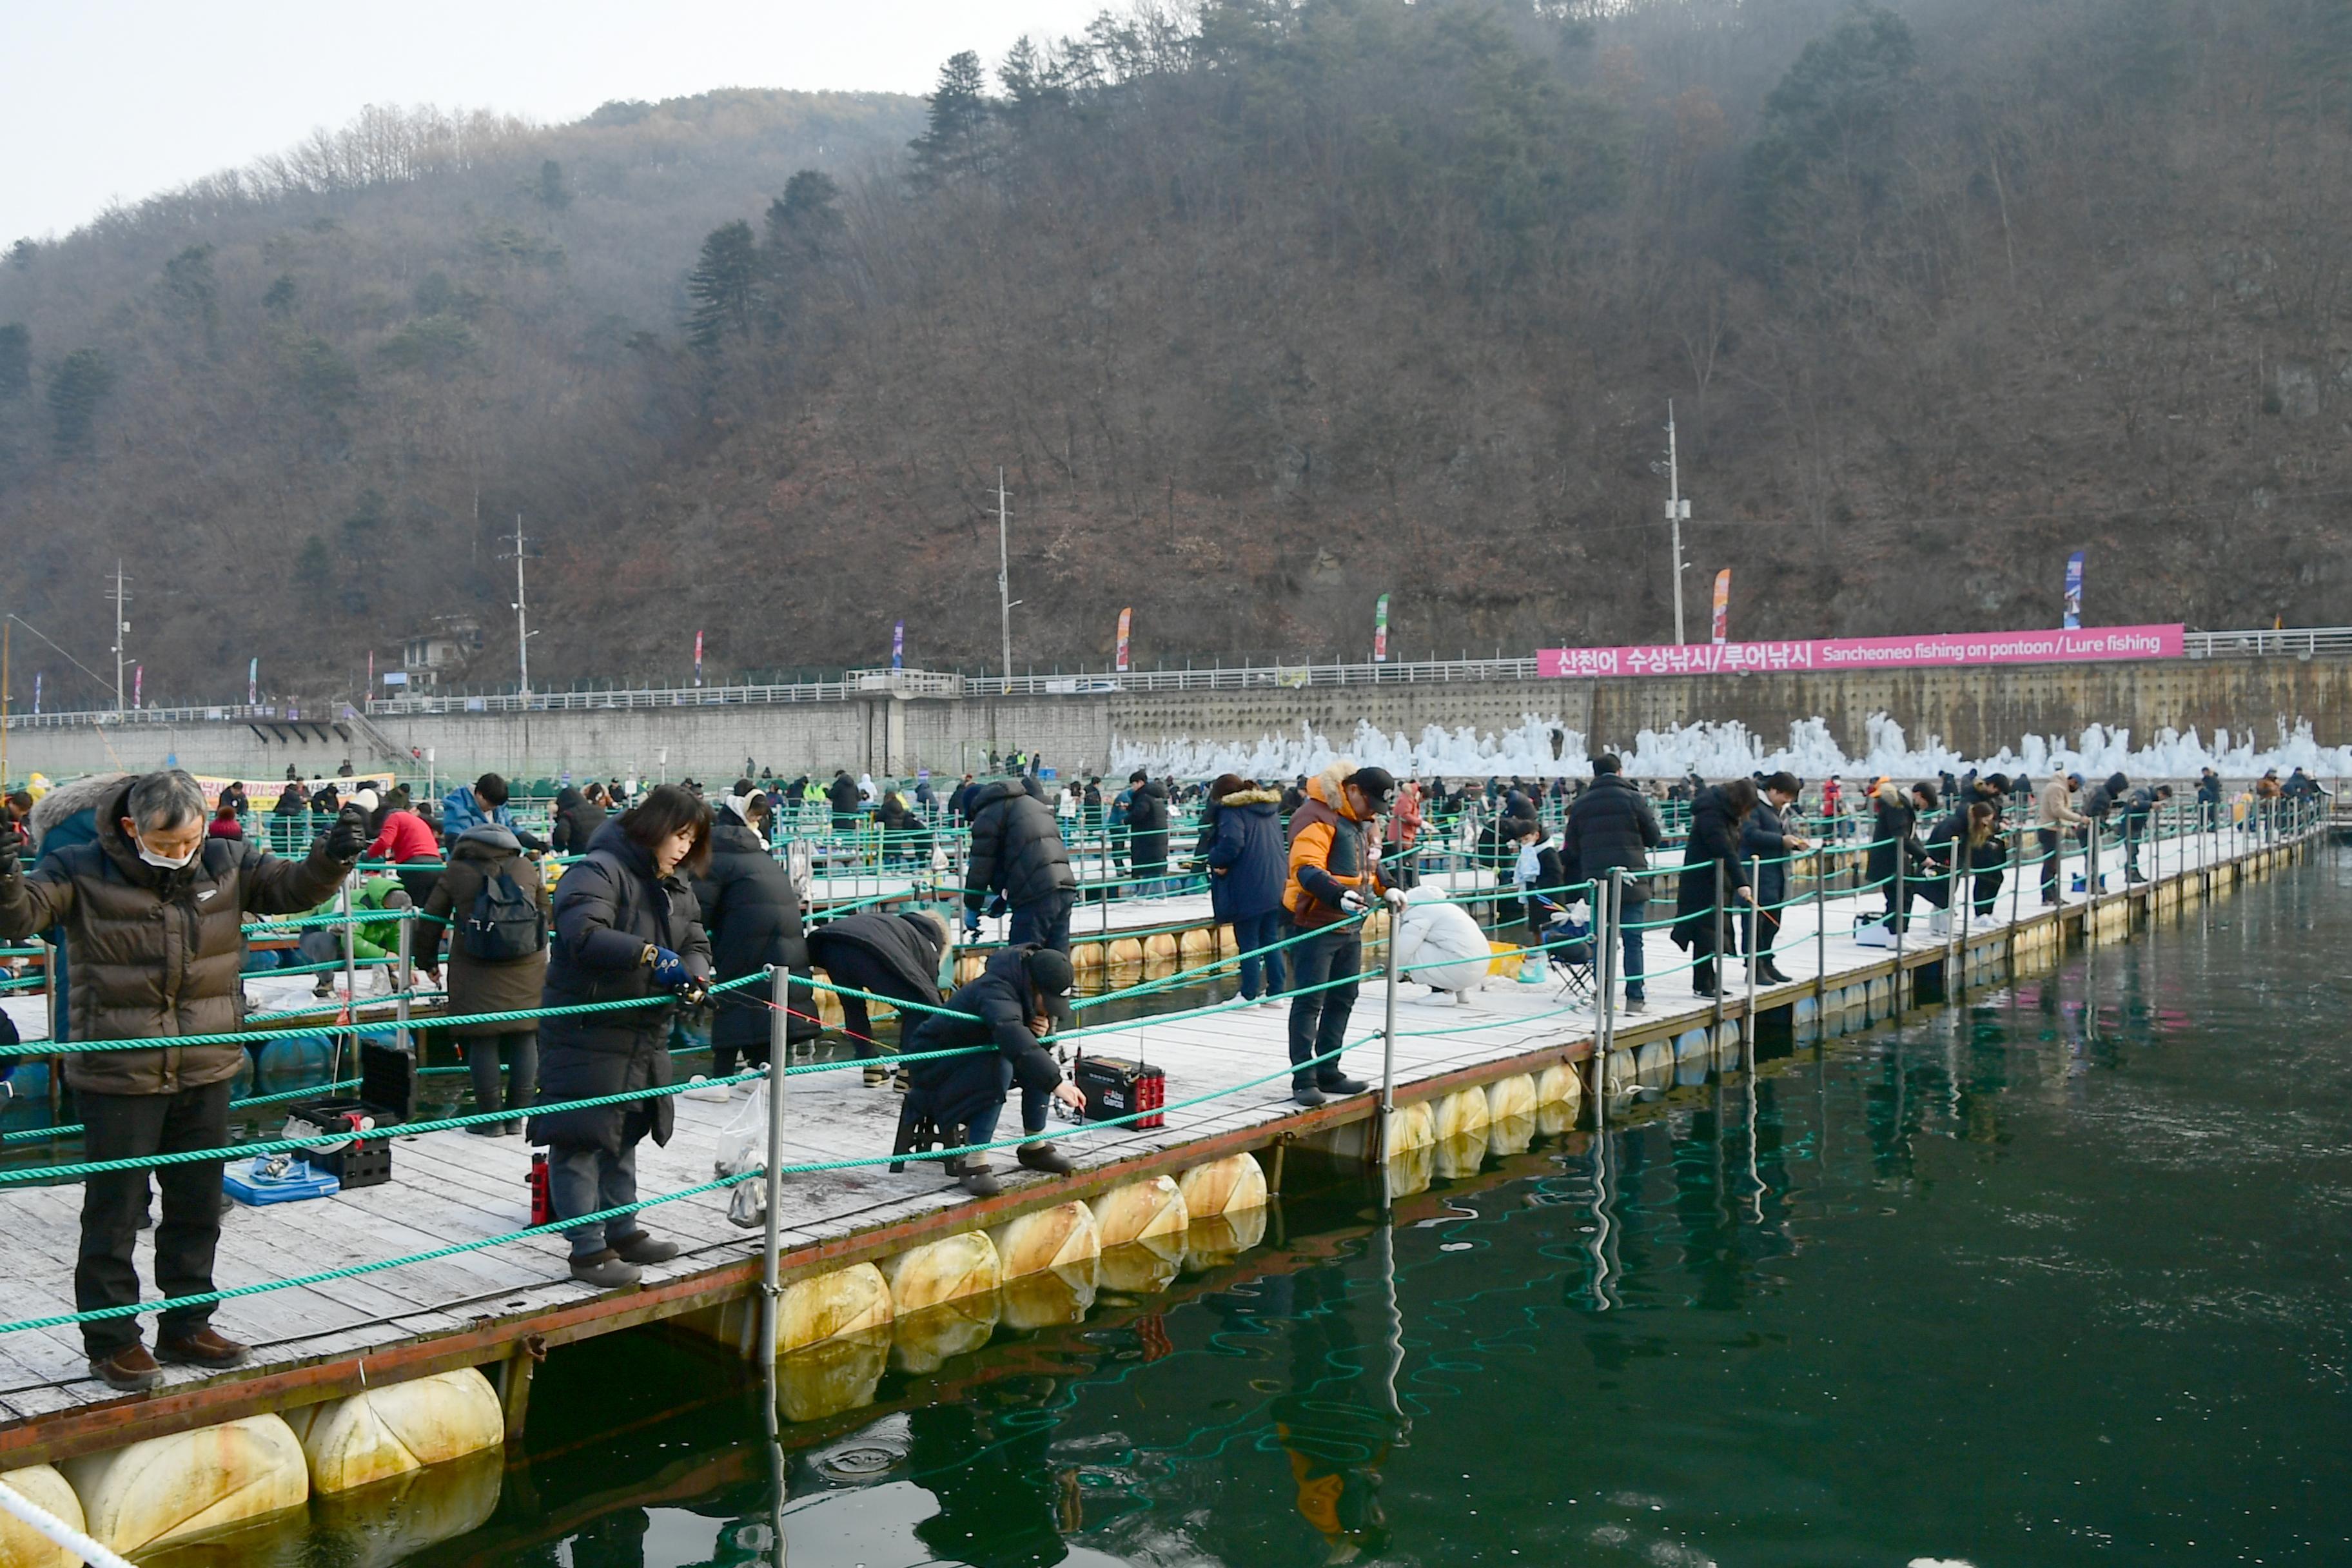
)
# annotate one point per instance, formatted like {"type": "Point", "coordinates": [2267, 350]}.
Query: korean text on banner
{"type": "Point", "coordinates": [2075, 646]}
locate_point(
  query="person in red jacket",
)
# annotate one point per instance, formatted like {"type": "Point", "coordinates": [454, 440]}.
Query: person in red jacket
{"type": "Point", "coordinates": [404, 839]}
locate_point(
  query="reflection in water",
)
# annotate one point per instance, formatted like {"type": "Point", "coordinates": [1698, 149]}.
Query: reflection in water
{"type": "Point", "coordinates": [1929, 1291]}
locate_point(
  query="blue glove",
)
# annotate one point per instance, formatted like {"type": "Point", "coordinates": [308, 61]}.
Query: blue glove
{"type": "Point", "coordinates": [972, 922]}
{"type": "Point", "coordinates": [670, 972]}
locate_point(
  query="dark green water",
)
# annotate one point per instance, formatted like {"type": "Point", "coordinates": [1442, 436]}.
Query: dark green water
{"type": "Point", "coordinates": [2057, 1276]}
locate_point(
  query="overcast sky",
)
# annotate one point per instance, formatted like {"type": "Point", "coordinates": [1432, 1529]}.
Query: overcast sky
{"type": "Point", "coordinates": [110, 100]}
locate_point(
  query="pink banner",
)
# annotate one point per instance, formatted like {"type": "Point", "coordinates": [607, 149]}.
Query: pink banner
{"type": "Point", "coordinates": [2074, 646]}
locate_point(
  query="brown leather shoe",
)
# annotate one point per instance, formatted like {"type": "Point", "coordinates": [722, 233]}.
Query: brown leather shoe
{"type": "Point", "coordinates": [129, 1370]}
{"type": "Point", "coordinates": [204, 1348]}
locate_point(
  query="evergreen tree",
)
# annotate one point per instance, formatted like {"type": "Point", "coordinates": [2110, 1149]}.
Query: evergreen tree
{"type": "Point", "coordinates": [552, 192]}
{"type": "Point", "coordinates": [15, 360]}
{"type": "Point", "coordinates": [280, 300]}
{"type": "Point", "coordinates": [191, 291]}
{"type": "Point", "coordinates": [724, 286]}
{"type": "Point", "coordinates": [805, 215]}
{"type": "Point", "coordinates": [954, 143]}
{"type": "Point", "coordinates": [77, 387]}
{"type": "Point", "coordinates": [1832, 110]}
{"type": "Point", "coordinates": [314, 568]}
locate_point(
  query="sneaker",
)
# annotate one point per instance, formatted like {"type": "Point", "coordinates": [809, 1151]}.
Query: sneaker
{"type": "Point", "coordinates": [641, 1248]}
{"type": "Point", "coordinates": [1637, 1004]}
{"type": "Point", "coordinates": [703, 1088]}
{"type": "Point", "coordinates": [1042, 1156]}
{"type": "Point", "coordinates": [1338, 1085]}
{"type": "Point", "coordinates": [129, 1370]}
{"type": "Point", "coordinates": [876, 1075]}
{"type": "Point", "coordinates": [603, 1269]}
{"type": "Point", "coordinates": [205, 1348]}
{"type": "Point", "coordinates": [1272, 1002]}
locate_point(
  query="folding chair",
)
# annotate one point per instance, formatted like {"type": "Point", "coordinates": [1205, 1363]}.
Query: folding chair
{"type": "Point", "coordinates": [1568, 948]}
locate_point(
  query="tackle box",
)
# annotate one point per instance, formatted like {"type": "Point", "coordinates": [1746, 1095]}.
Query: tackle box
{"type": "Point", "coordinates": [1116, 1088]}
{"type": "Point", "coordinates": [387, 1095]}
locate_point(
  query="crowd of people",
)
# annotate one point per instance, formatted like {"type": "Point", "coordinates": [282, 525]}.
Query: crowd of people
{"type": "Point", "coordinates": [669, 893]}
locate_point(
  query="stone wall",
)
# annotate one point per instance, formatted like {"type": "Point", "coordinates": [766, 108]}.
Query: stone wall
{"type": "Point", "coordinates": [1975, 710]}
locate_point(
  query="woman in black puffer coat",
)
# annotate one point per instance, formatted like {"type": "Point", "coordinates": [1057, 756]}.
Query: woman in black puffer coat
{"type": "Point", "coordinates": [626, 928]}
{"type": "Point", "coordinates": [1895, 842]}
{"type": "Point", "coordinates": [1717, 816]}
{"type": "Point", "coordinates": [754, 917]}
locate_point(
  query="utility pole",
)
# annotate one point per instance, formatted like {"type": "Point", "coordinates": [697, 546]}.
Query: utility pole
{"type": "Point", "coordinates": [1677, 513]}
{"type": "Point", "coordinates": [1003, 575]}
{"type": "Point", "coordinates": [522, 613]}
{"type": "Point", "coordinates": [122, 627]}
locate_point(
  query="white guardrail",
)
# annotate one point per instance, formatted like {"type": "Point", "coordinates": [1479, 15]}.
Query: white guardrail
{"type": "Point", "coordinates": [2298, 642]}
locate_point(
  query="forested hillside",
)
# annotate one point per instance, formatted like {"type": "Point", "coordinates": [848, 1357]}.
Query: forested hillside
{"type": "Point", "coordinates": [1265, 310]}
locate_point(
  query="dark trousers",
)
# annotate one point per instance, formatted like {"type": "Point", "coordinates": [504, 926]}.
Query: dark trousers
{"type": "Point", "coordinates": [2048, 840]}
{"type": "Point", "coordinates": [1631, 914]}
{"type": "Point", "coordinates": [981, 1127]}
{"type": "Point", "coordinates": [1988, 890]}
{"type": "Point", "coordinates": [519, 1051]}
{"type": "Point", "coordinates": [123, 1127]}
{"type": "Point", "coordinates": [1047, 924]}
{"type": "Point", "coordinates": [860, 972]}
{"type": "Point", "coordinates": [724, 1057]}
{"type": "Point", "coordinates": [1760, 929]}
{"type": "Point", "coordinates": [1318, 1018]}
{"type": "Point", "coordinates": [584, 1179]}
{"type": "Point", "coordinates": [1260, 975]}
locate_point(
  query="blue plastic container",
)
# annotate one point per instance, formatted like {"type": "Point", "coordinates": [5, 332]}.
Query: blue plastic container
{"type": "Point", "coordinates": [248, 1183]}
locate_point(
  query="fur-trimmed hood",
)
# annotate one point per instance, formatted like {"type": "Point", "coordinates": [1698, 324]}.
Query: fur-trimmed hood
{"type": "Point", "coordinates": [82, 794]}
{"type": "Point", "coordinates": [1251, 797]}
{"type": "Point", "coordinates": [1331, 787]}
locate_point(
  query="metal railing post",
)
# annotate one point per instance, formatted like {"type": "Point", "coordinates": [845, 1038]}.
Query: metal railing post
{"type": "Point", "coordinates": [1902, 907]}
{"type": "Point", "coordinates": [404, 974]}
{"type": "Point", "coordinates": [1755, 942]}
{"type": "Point", "coordinates": [1820, 935]}
{"type": "Point", "coordinates": [1388, 1034]}
{"type": "Point", "coordinates": [1608, 931]}
{"type": "Point", "coordinates": [1715, 959]}
{"type": "Point", "coordinates": [771, 1245]}
{"type": "Point", "coordinates": [351, 986]}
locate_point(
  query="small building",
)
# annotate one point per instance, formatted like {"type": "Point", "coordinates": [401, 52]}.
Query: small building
{"type": "Point", "coordinates": [429, 657]}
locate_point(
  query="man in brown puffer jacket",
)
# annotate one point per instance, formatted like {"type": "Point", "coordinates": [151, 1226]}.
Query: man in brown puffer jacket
{"type": "Point", "coordinates": [152, 912]}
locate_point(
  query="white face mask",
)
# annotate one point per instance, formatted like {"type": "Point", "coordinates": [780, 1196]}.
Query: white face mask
{"type": "Point", "coordinates": [165, 863]}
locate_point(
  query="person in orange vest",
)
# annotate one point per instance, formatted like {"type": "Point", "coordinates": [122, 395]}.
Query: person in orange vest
{"type": "Point", "coordinates": [1334, 880]}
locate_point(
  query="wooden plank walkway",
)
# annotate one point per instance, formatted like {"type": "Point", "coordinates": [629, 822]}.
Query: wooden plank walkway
{"type": "Point", "coordinates": [325, 1339]}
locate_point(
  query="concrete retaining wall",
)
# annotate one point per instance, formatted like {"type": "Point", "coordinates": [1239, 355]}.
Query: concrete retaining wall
{"type": "Point", "coordinates": [1975, 710]}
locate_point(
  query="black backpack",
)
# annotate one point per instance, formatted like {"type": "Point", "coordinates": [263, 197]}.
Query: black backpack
{"type": "Point", "coordinates": [507, 922]}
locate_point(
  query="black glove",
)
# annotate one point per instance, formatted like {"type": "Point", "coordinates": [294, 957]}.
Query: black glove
{"type": "Point", "coordinates": [8, 843]}
{"type": "Point", "coordinates": [349, 836]}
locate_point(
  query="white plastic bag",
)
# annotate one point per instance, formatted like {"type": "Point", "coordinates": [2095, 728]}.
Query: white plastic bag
{"type": "Point", "coordinates": [743, 1152]}
{"type": "Point", "coordinates": [743, 1141]}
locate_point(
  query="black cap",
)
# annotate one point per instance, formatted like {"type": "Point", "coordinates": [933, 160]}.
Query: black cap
{"type": "Point", "coordinates": [1378, 785]}
{"type": "Point", "coordinates": [1051, 979]}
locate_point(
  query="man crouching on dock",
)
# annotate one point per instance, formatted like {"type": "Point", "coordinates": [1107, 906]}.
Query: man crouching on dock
{"type": "Point", "coordinates": [152, 912]}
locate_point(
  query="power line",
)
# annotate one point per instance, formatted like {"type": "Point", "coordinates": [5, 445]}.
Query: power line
{"type": "Point", "coordinates": [52, 642]}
